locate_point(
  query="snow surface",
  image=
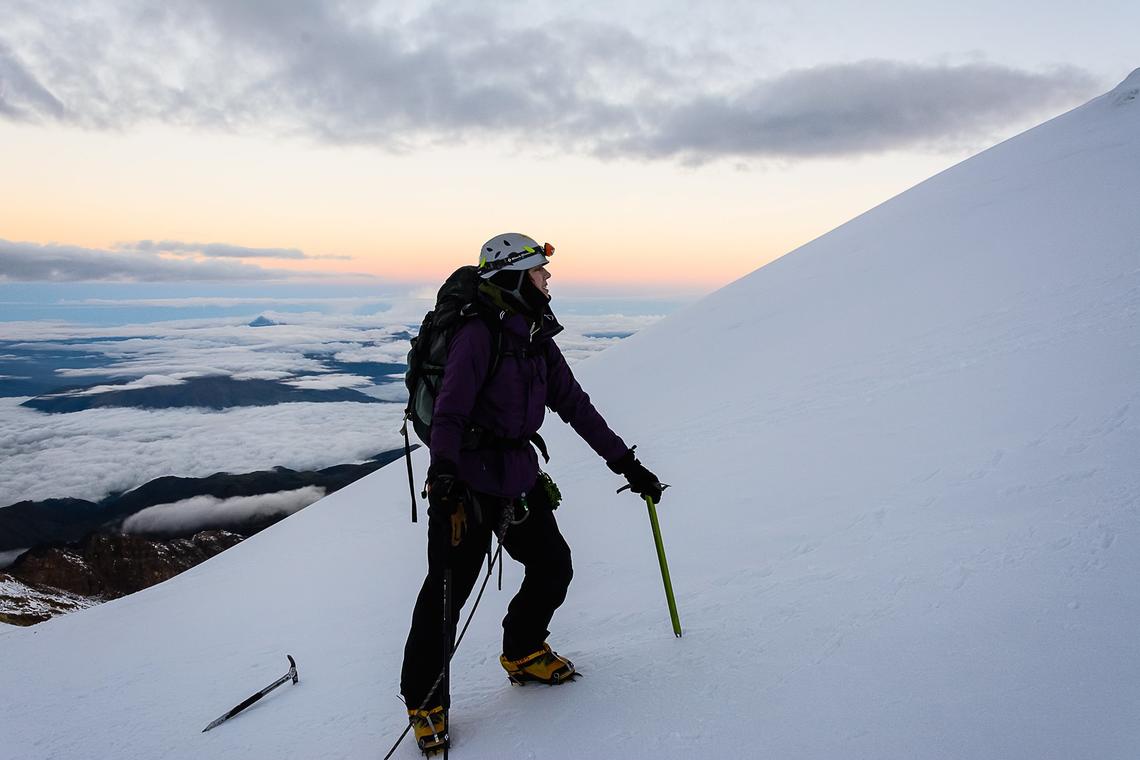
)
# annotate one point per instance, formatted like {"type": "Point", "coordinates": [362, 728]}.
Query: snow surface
{"type": "Point", "coordinates": [903, 523]}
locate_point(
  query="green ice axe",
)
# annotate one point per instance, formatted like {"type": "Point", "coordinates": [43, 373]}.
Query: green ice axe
{"type": "Point", "coordinates": [664, 564]}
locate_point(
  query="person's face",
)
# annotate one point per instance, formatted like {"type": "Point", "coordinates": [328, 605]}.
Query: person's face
{"type": "Point", "coordinates": [539, 276]}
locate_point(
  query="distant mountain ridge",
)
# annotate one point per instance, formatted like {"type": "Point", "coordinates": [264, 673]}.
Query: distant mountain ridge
{"type": "Point", "coordinates": [62, 521]}
{"type": "Point", "coordinates": [214, 392]}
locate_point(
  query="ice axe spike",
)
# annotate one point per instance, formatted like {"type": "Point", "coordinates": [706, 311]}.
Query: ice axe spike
{"type": "Point", "coordinates": [291, 675]}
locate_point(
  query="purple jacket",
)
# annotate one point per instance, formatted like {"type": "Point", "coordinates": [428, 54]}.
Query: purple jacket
{"type": "Point", "coordinates": [532, 375]}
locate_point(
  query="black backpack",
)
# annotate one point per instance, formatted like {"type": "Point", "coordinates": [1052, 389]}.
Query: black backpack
{"type": "Point", "coordinates": [456, 302]}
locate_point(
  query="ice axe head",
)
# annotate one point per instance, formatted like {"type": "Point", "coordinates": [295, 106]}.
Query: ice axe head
{"type": "Point", "coordinates": [292, 668]}
{"type": "Point", "coordinates": [662, 486]}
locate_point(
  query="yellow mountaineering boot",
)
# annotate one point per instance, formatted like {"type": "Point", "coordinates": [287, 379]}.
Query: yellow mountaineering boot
{"type": "Point", "coordinates": [431, 729]}
{"type": "Point", "coordinates": [543, 666]}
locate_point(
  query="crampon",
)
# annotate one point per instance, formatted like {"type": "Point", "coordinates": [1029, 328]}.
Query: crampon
{"type": "Point", "coordinates": [431, 730]}
{"type": "Point", "coordinates": [544, 666]}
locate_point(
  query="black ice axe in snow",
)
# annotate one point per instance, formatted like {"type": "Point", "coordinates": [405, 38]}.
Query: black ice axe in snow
{"type": "Point", "coordinates": [291, 675]}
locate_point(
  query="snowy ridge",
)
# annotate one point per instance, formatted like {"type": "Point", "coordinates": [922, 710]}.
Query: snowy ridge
{"type": "Point", "coordinates": [903, 522]}
{"type": "Point", "coordinates": [1128, 89]}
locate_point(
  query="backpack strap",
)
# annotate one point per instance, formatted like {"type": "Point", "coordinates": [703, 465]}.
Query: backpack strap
{"type": "Point", "coordinates": [481, 437]}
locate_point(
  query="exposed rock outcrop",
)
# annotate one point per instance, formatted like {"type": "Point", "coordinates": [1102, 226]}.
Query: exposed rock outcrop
{"type": "Point", "coordinates": [21, 604]}
{"type": "Point", "coordinates": [46, 581]}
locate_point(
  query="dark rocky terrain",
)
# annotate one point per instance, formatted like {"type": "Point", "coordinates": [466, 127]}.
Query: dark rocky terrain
{"type": "Point", "coordinates": [46, 581]}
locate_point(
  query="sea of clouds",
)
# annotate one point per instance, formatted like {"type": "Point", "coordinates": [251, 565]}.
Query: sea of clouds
{"type": "Point", "coordinates": [92, 453]}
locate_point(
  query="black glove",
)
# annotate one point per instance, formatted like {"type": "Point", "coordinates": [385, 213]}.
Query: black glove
{"type": "Point", "coordinates": [641, 481]}
{"type": "Point", "coordinates": [446, 492]}
{"type": "Point", "coordinates": [444, 488]}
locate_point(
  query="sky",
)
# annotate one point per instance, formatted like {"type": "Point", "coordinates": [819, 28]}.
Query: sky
{"type": "Point", "coordinates": [663, 148]}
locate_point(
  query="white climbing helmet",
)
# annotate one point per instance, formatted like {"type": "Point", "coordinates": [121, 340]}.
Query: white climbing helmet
{"type": "Point", "coordinates": [512, 251]}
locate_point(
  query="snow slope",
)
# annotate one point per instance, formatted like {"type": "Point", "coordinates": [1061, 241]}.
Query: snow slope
{"type": "Point", "coordinates": [904, 522]}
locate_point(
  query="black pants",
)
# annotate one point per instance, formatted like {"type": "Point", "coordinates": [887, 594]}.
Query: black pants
{"type": "Point", "coordinates": [535, 542]}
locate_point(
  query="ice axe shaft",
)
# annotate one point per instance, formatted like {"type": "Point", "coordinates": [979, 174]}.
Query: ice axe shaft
{"type": "Point", "coordinates": [664, 567]}
{"type": "Point", "coordinates": [661, 559]}
{"type": "Point", "coordinates": [291, 675]}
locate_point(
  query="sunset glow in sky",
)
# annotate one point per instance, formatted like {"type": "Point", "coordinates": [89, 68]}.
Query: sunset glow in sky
{"type": "Point", "coordinates": [663, 149]}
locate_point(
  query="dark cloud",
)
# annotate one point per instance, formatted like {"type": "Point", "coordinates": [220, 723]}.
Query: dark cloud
{"type": "Point", "coordinates": [21, 95]}
{"type": "Point", "coordinates": [220, 250]}
{"type": "Point", "coordinates": [212, 250]}
{"type": "Point", "coordinates": [864, 107]}
{"type": "Point", "coordinates": [342, 73]}
{"type": "Point", "coordinates": [32, 262]}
